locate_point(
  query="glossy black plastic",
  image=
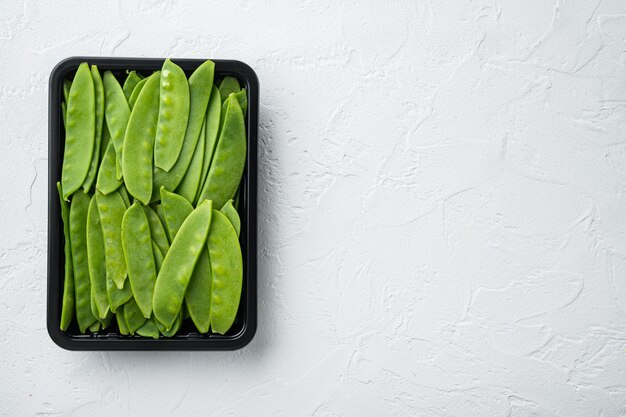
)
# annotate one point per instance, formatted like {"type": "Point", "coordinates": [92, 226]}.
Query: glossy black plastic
{"type": "Point", "coordinates": [188, 338]}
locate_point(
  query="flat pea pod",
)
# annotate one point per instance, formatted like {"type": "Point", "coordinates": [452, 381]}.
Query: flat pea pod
{"type": "Point", "coordinates": [242, 98]}
{"type": "Point", "coordinates": [158, 256]}
{"type": "Point", "coordinates": [67, 85]}
{"type": "Point", "coordinates": [157, 231]}
{"type": "Point", "coordinates": [173, 115]}
{"type": "Point", "coordinates": [230, 158]}
{"type": "Point", "coordinates": [95, 158]}
{"type": "Point", "coordinates": [149, 329]}
{"type": "Point", "coordinates": [80, 126]}
{"type": "Point", "coordinates": [139, 141]}
{"type": "Point", "coordinates": [94, 327]}
{"type": "Point", "coordinates": [137, 245]}
{"type": "Point", "coordinates": [117, 114]}
{"type": "Point", "coordinates": [158, 209]}
{"type": "Point", "coordinates": [231, 213]}
{"type": "Point", "coordinates": [111, 208]}
{"type": "Point", "coordinates": [212, 129]}
{"type": "Point", "coordinates": [63, 112]}
{"type": "Point", "coordinates": [67, 304]}
{"type": "Point", "coordinates": [175, 209]}
{"type": "Point", "coordinates": [237, 194]}
{"type": "Point", "coordinates": [200, 83]}
{"type": "Point", "coordinates": [117, 297]}
{"type": "Point", "coordinates": [78, 239]}
{"type": "Point", "coordinates": [133, 316]}
{"type": "Point", "coordinates": [121, 323]}
{"type": "Point", "coordinates": [174, 329]}
{"type": "Point", "coordinates": [130, 83]}
{"type": "Point", "coordinates": [198, 294]}
{"type": "Point", "coordinates": [227, 269]}
{"type": "Point", "coordinates": [106, 321]}
{"type": "Point", "coordinates": [106, 138]}
{"type": "Point", "coordinates": [96, 261]}
{"type": "Point", "coordinates": [229, 85]}
{"type": "Point", "coordinates": [107, 181]}
{"type": "Point", "coordinates": [124, 195]}
{"type": "Point", "coordinates": [188, 188]}
{"type": "Point", "coordinates": [179, 263]}
{"type": "Point", "coordinates": [133, 97]}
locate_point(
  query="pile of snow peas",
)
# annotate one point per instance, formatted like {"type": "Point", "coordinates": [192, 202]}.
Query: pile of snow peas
{"type": "Point", "coordinates": [149, 196]}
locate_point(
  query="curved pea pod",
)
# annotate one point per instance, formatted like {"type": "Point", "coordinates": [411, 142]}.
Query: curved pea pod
{"type": "Point", "coordinates": [230, 158]}
{"type": "Point", "coordinates": [175, 210]}
{"type": "Point", "coordinates": [213, 113]}
{"type": "Point", "coordinates": [121, 322]}
{"type": "Point", "coordinates": [106, 321]}
{"type": "Point", "coordinates": [67, 85]}
{"type": "Point", "coordinates": [227, 269]}
{"type": "Point", "coordinates": [106, 138]}
{"type": "Point", "coordinates": [188, 188]}
{"type": "Point", "coordinates": [78, 239]}
{"type": "Point", "coordinates": [124, 195]}
{"type": "Point", "coordinates": [198, 294]}
{"type": "Point", "coordinates": [133, 316]}
{"type": "Point", "coordinates": [179, 263]}
{"type": "Point", "coordinates": [139, 141]}
{"type": "Point", "coordinates": [117, 297]}
{"type": "Point", "coordinates": [111, 208]}
{"type": "Point", "coordinates": [158, 208]}
{"type": "Point", "coordinates": [173, 115]}
{"type": "Point", "coordinates": [228, 86]}
{"type": "Point", "coordinates": [175, 326]}
{"type": "Point", "coordinates": [200, 83]}
{"type": "Point", "coordinates": [130, 83]}
{"type": "Point", "coordinates": [107, 181]}
{"type": "Point", "coordinates": [95, 158]}
{"type": "Point", "coordinates": [80, 126]}
{"type": "Point", "coordinates": [67, 304]}
{"type": "Point", "coordinates": [96, 261]}
{"type": "Point", "coordinates": [157, 231]}
{"type": "Point", "coordinates": [137, 245]}
{"type": "Point", "coordinates": [133, 97]}
{"type": "Point", "coordinates": [117, 114]}
{"type": "Point", "coordinates": [231, 213]}
{"type": "Point", "coordinates": [149, 329]}
{"type": "Point", "coordinates": [158, 256]}
{"type": "Point", "coordinates": [242, 98]}
{"type": "Point", "coordinates": [94, 327]}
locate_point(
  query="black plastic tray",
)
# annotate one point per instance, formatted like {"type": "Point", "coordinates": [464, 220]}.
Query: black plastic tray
{"type": "Point", "coordinates": [188, 338]}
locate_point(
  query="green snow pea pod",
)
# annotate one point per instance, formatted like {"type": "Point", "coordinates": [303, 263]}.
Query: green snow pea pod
{"type": "Point", "coordinates": [106, 321]}
{"type": "Point", "coordinates": [137, 246]}
{"type": "Point", "coordinates": [242, 98]}
{"type": "Point", "coordinates": [107, 181]}
{"type": "Point", "coordinates": [133, 97]}
{"type": "Point", "coordinates": [111, 208]}
{"type": "Point", "coordinates": [96, 261]}
{"type": "Point", "coordinates": [158, 256]}
{"type": "Point", "coordinates": [237, 194]}
{"type": "Point", "coordinates": [67, 85]}
{"type": "Point", "coordinates": [67, 304]}
{"type": "Point", "coordinates": [95, 158]}
{"type": "Point", "coordinates": [198, 294]}
{"type": "Point", "coordinates": [228, 86]}
{"type": "Point", "coordinates": [173, 115]}
{"type": "Point", "coordinates": [133, 316]}
{"type": "Point", "coordinates": [80, 129]}
{"type": "Point", "coordinates": [230, 212]}
{"type": "Point", "coordinates": [158, 208]}
{"type": "Point", "coordinates": [188, 187]}
{"type": "Point", "coordinates": [121, 322]}
{"type": "Point", "coordinates": [130, 83]}
{"type": "Point", "coordinates": [227, 269]}
{"type": "Point", "coordinates": [106, 138]}
{"type": "Point", "coordinates": [230, 158]}
{"type": "Point", "coordinates": [124, 195]}
{"type": "Point", "coordinates": [94, 327]}
{"type": "Point", "coordinates": [157, 231]}
{"type": "Point", "coordinates": [117, 297]}
{"type": "Point", "coordinates": [179, 263]}
{"type": "Point", "coordinates": [212, 129]}
{"type": "Point", "coordinates": [78, 239]}
{"type": "Point", "coordinates": [175, 327]}
{"type": "Point", "coordinates": [139, 141]}
{"type": "Point", "coordinates": [117, 114]}
{"type": "Point", "coordinates": [176, 209]}
{"type": "Point", "coordinates": [149, 329]}
{"type": "Point", "coordinates": [63, 112]}
{"type": "Point", "coordinates": [200, 83]}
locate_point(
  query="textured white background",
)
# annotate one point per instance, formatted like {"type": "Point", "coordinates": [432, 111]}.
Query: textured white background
{"type": "Point", "coordinates": [442, 214]}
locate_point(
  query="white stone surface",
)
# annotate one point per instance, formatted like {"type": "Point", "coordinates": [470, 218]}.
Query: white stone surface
{"type": "Point", "coordinates": [442, 225]}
